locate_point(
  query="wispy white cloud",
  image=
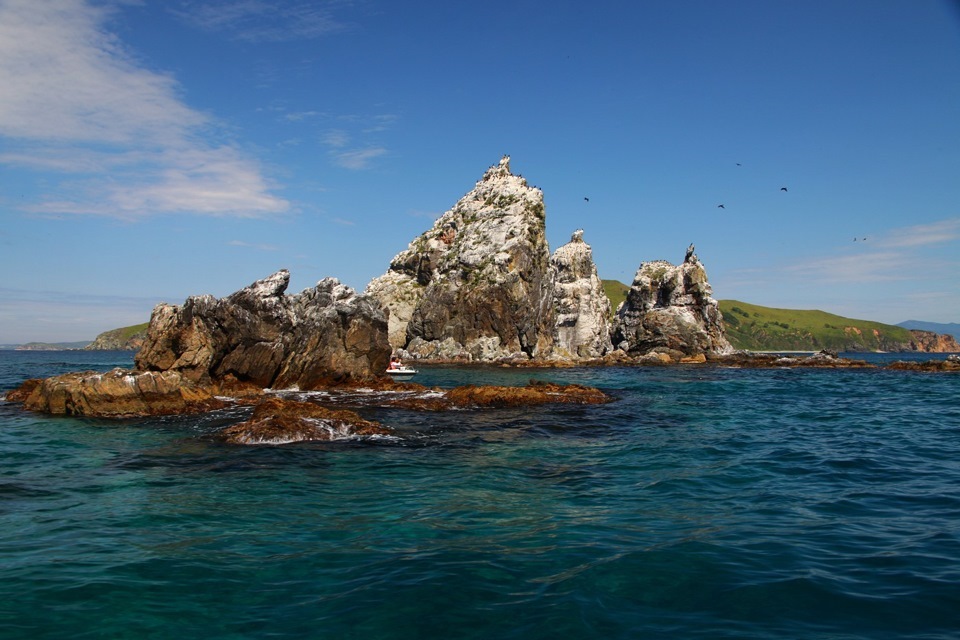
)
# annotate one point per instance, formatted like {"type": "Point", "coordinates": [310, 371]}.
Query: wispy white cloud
{"type": "Point", "coordinates": [923, 234]}
{"type": "Point", "coordinates": [64, 78]}
{"type": "Point", "coordinates": [381, 123]}
{"type": "Point", "coordinates": [74, 100]}
{"type": "Point", "coordinates": [297, 116]}
{"type": "Point", "coordinates": [336, 138]}
{"type": "Point", "coordinates": [359, 158]}
{"type": "Point", "coordinates": [864, 267]}
{"type": "Point", "coordinates": [46, 316]}
{"type": "Point", "coordinates": [896, 255]}
{"type": "Point", "coordinates": [263, 20]}
{"type": "Point", "coordinates": [429, 215]}
{"type": "Point", "coordinates": [251, 245]}
{"type": "Point", "coordinates": [356, 155]}
{"type": "Point", "coordinates": [344, 223]}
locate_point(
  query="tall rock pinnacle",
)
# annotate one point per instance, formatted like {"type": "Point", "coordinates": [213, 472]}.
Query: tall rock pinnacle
{"type": "Point", "coordinates": [477, 285]}
{"type": "Point", "coordinates": [582, 307]}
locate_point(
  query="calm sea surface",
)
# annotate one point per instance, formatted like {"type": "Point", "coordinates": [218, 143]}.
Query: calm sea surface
{"type": "Point", "coordinates": [702, 503]}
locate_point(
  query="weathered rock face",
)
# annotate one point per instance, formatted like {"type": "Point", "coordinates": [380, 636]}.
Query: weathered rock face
{"type": "Point", "coordinates": [324, 335]}
{"type": "Point", "coordinates": [930, 342]}
{"type": "Point", "coordinates": [670, 309]}
{"type": "Point", "coordinates": [477, 285]}
{"type": "Point", "coordinates": [582, 309]}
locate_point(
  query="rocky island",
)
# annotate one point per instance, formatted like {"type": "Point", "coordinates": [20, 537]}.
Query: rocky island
{"type": "Point", "coordinates": [479, 286]}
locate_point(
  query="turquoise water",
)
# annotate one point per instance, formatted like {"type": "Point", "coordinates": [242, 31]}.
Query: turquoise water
{"type": "Point", "coordinates": [702, 503]}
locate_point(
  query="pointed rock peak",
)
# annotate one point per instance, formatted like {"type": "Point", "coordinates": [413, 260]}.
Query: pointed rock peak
{"type": "Point", "coordinates": [577, 236]}
{"type": "Point", "coordinates": [271, 286]}
{"type": "Point", "coordinates": [500, 170]}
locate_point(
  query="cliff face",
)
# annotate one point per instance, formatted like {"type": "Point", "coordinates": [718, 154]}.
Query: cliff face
{"type": "Point", "coordinates": [477, 285]}
{"type": "Point", "coordinates": [582, 309]}
{"type": "Point", "coordinates": [930, 342]}
{"type": "Point", "coordinates": [669, 309]}
{"type": "Point", "coordinates": [324, 335]}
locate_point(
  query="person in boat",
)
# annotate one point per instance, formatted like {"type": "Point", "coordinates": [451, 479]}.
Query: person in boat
{"type": "Point", "coordinates": [395, 363]}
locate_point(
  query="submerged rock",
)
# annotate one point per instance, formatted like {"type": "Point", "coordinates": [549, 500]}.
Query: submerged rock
{"type": "Point", "coordinates": [279, 421]}
{"type": "Point", "coordinates": [825, 358]}
{"type": "Point", "coordinates": [670, 309]}
{"type": "Point", "coordinates": [323, 336]}
{"type": "Point", "coordinates": [951, 364]}
{"type": "Point", "coordinates": [122, 393]}
{"type": "Point", "coordinates": [536, 393]}
{"type": "Point", "coordinates": [477, 285]}
{"type": "Point", "coordinates": [21, 393]}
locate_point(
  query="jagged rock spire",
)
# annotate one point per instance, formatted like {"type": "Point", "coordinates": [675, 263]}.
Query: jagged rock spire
{"type": "Point", "coordinates": [481, 285]}
{"type": "Point", "coordinates": [582, 308]}
{"type": "Point", "coordinates": [475, 286]}
{"type": "Point", "coordinates": [670, 309]}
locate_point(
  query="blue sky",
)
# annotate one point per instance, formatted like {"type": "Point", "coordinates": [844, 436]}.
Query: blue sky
{"type": "Point", "coordinates": [154, 150]}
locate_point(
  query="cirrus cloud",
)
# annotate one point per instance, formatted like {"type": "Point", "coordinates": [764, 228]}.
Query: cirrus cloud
{"type": "Point", "coordinates": [74, 101]}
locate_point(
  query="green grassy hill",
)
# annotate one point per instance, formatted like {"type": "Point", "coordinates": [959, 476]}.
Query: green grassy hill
{"type": "Point", "coordinates": [756, 328]}
{"type": "Point", "coordinates": [124, 338]}
{"type": "Point", "coordinates": [749, 326]}
{"type": "Point", "coordinates": [616, 291]}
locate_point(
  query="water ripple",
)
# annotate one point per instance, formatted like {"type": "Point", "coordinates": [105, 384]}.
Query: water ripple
{"type": "Point", "coordinates": [702, 503]}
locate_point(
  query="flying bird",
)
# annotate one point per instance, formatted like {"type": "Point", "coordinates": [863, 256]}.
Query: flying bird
{"type": "Point", "coordinates": [720, 206]}
{"type": "Point", "coordinates": [783, 188]}
{"type": "Point", "coordinates": [586, 198]}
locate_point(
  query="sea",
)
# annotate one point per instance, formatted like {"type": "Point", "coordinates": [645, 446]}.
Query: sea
{"type": "Point", "coordinates": [703, 502]}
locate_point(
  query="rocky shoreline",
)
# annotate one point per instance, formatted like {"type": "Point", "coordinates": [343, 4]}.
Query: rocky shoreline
{"type": "Point", "coordinates": [277, 420]}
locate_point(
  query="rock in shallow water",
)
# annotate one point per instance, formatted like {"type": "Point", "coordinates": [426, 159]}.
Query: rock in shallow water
{"type": "Point", "coordinates": [582, 309]}
{"type": "Point", "coordinates": [279, 421]}
{"type": "Point", "coordinates": [477, 285]}
{"type": "Point", "coordinates": [536, 393]}
{"type": "Point", "coordinates": [670, 308]}
{"type": "Point", "coordinates": [323, 336]}
{"type": "Point", "coordinates": [123, 393]}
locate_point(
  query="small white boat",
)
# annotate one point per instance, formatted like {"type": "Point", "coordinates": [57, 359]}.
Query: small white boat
{"type": "Point", "coordinates": [401, 372]}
